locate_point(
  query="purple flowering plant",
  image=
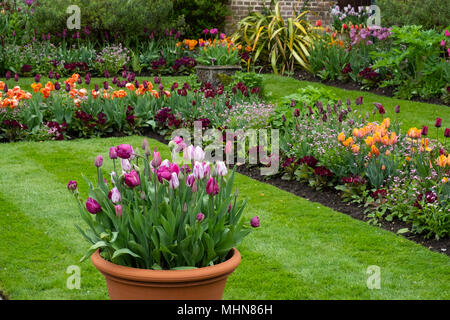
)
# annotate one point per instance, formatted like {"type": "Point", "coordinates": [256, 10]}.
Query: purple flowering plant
{"type": "Point", "coordinates": [158, 214]}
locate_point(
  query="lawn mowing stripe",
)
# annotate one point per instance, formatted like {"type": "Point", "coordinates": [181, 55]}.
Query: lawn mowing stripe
{"type": "Point", "coordinates": [302, 249]}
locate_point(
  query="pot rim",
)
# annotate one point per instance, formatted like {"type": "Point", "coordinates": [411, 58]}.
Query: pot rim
{"type": "Point", "coordinates": [167, 276]}
{"type": "Point", "coordinates": [218, 67]}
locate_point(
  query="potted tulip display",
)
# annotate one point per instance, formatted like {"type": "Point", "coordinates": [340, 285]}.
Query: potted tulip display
{"type": "Point", "coordinates": [218, 57]}
{"type": "Point", "coordinates": [162, 230]}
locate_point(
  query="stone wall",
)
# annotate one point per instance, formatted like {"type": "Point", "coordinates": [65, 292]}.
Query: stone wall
{"type": "Point", "coordinates": [320, 9]}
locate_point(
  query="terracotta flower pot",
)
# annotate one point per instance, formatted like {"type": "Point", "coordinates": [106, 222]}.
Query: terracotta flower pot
{"type": "Point", "coordinates": [213, 74]}
{"type": "Point", "coordinates": [125, 283]}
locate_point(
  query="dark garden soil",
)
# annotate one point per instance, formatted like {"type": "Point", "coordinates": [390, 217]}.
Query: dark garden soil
{"type": "Point", "coordinates": [331, 199]}
{"type": "Point", "coordinates": [388, 92]}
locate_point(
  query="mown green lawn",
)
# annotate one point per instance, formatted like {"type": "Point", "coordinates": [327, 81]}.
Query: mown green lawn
{"type": "Point", "coordinates": [412, 114]}
{"type": "Point", "coordinates": [303, 250]}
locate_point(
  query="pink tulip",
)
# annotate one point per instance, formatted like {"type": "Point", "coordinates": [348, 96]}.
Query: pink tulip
{"type": "Point", "coordinates": [221, 169]}
{"type": "Point", "coordinates": [200, 217]}
{"type": "Point", "coordinates": [132, 179]}
{"type": "Point", "coordinates": [118, 209]}
{"type": "Point", "coordinates": [198, 154]}
{"type": "Point", "coordinates": [199, 173]}
{"type": "Point", "coordinates": [92, 206]}
{"type": "Point", "coordinates": [115, 195]}
{"type": "Point", "coordinates": [156, 162]}
{"type": "Point", "coordinates": [255, 222]}
{"type": "Point", "coordinates": [163, 173]}
{"type": "Point", "coordinates": [126, 166]}
{"type": "Point", "coordinates": [72, 185]}
{"type": "Point", "coordinates": [442, 43]}
{"type": "Point", "coordinates": [98, 161]}
{"type": "Point", "coordinates": [447, 33]}
{"type": "Point", "coordinates": [174, 183]}
{"type": "Point", "coordinates": [190, 180]}
{"type": "Point", "coordinates": [212, 188]}
{"type": "Point", "coordinates": [124, 151]}
{"type": "Point", "coordinates": [112, 153]}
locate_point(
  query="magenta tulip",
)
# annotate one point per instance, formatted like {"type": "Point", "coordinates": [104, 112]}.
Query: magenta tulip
{"type": "Point", "coordinates": [132, 179]}
{"type": "Point", "coordinates": [200, 217]}
{"type": "Point", "coordinates": [124, 151]}
{"type": "Point", "coordinates": [112, 153]}
{"type": "Point", "coordinates": [254, 222]}
{"type": "Point", "coordinates": [212, 188]}
{"type": "Point", "coordinates": [98, 161]}
{"type": "Point", "coordinates": [92, 206]}
{"type": "Point", "coordinates": [118, 208]}
{"type": "Point", "coordinates": [156, 161]}
{"type": "Point", "coordinates": [72, 185]}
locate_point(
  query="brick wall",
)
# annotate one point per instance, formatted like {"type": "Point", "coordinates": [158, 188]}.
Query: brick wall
{"type": "Point", "coordinates": [320, 9]}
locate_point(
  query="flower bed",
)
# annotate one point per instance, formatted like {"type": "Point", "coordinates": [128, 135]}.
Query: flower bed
{"type": "Point", "coordinates": [393, 174]}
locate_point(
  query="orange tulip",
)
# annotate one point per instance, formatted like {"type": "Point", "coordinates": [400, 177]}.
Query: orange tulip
{"type": "Point", "coordinates": [348, 142]}
{"type": "Point", "coordinates": [36, 87]}
{"type": "Point", "coordinates": [341, 137]}
{"type": "Point", "coordinates": [369, 141]}
{"type": "Point", "coordinates": [355, 148]}
{"type": "Point", "coordinates": [442, 161]}
{"type": "Point", "coordinates": [375, 150]}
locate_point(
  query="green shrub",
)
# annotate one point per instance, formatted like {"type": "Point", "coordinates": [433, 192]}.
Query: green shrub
{"type": "Point", "coordinates": [430, 14]}
{"type": "Point", "coordinates": [202, 14]}
{"type": "Point", "coordinates": [127, 19]}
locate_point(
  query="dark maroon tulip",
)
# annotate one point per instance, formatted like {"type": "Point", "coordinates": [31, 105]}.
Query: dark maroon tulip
{"type": "Point", "coordinates": [359, 100]}
{"type": "Point", "coordinates": [5, 89]}
{"type": "Point", "coordinates": [57, 86]}
{"type": "Point", "coordinates": [296, 113]}
{"type": "Point", "coordinates": [107, 74]}
{"type": "Point", "coordinates": [106, 85]}
{"type": "Point", "coordinates": [397, 109]}
{"type": "Point", "coordinates": [8, 75]}
{"type": "Point", "coordinates": [96, 87]}
{"type": "Point", "coordinates": [50, 74]}
{"type": "Point", "coordinates": [57, 76]}
{"type": "Point", "coordinates": [424, 130]}
{"type": "Point", "coordinates": [37, 78]}
{"type": "Point", "coordinates": [67, 87]}
{"type": "Point", "coordinates": [447, 133]}
{"type": "Point", "coordinates": [92, 206]}
{"type": "Point", "coordinates": [16, 77]}
{"type": "Point", "coordinates": [438, 123]}
{"type": "Point", "coordinates": [72, 185]}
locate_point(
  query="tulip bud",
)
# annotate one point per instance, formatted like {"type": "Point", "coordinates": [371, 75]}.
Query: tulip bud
{"type": "Point", "coordinates": [424, 130]}
{"type": "Point", "coordinates": [98, 161]}
{"type": "Point", "coordinates": [118, 209]}
{"type": "Point", "coordinates": [72, 185]}
{"type": "Point", "coordinates": [447, 133]}
{"type": "Point", "coordinates": [173, 182]}
{"type": "Point", "coordinates": [221, 168]}
{"type": "Point", "coordinates": [92, 206]}
{"type": "Point", "coordinates": [397, 109]}
{"type": "Point", "coordinates": [438, 123]}
{"type": "Point", "coordinates": [156, 162]}
{"type": "Point", "coordinates": [254, 222]}
{"type": "Point", "coordinates": [200, 217]}
{"type": "Point", "coordinates": [112, 153]}
{"type": "Point", "coordinates": [212, 188]}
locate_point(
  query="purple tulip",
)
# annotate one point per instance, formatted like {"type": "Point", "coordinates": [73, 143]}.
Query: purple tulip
{"type": "Point", "coordinates": [107, 75]}
{"type": "Point", "coordinates": [118, 209]}
{"type": "Point", "coordinates": [57, 86]}
{"type": "Point", "coordinates": [200, 217]}
{"type": "Point", "coordinates": [8, 75]}
{"type": "Point", "coordinates": [359, 101]}
{"type": "Point", "coordinates": [106, 85]}
{"type": "Point", "coordinates": [72, 185]}
{"type": "Point", "coordinates": [92, 206]}
{"type": "Point", "coordinates": [190, 180]}
{"type": "Point", "coordinates": [132, 179]}
{"type": "Point", "coordinates": [397, 109]}
{"type": "Point", "coordinates": [212, 188]}
{"type": "Point", "coordinates": [67, 87]}
{"type": "Point", "coordinates": [424, 130]}
{"type": "Point", "coordinates": [124, 151]}
{"type": "Point", "coordinates": [16, 77]}
{"type": "Point", "coordinates": [98, 161]}
{"type": "Point", "coordinates": [37, 78]}
{"type": "Point", "coordinates": [112, 153]}
{"type": "Point", "coordinates": [156, 161]}
{"type": "Point", "coordinates": [254, 222]}
{"type": "Point", "coordinates": [96, 87]}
